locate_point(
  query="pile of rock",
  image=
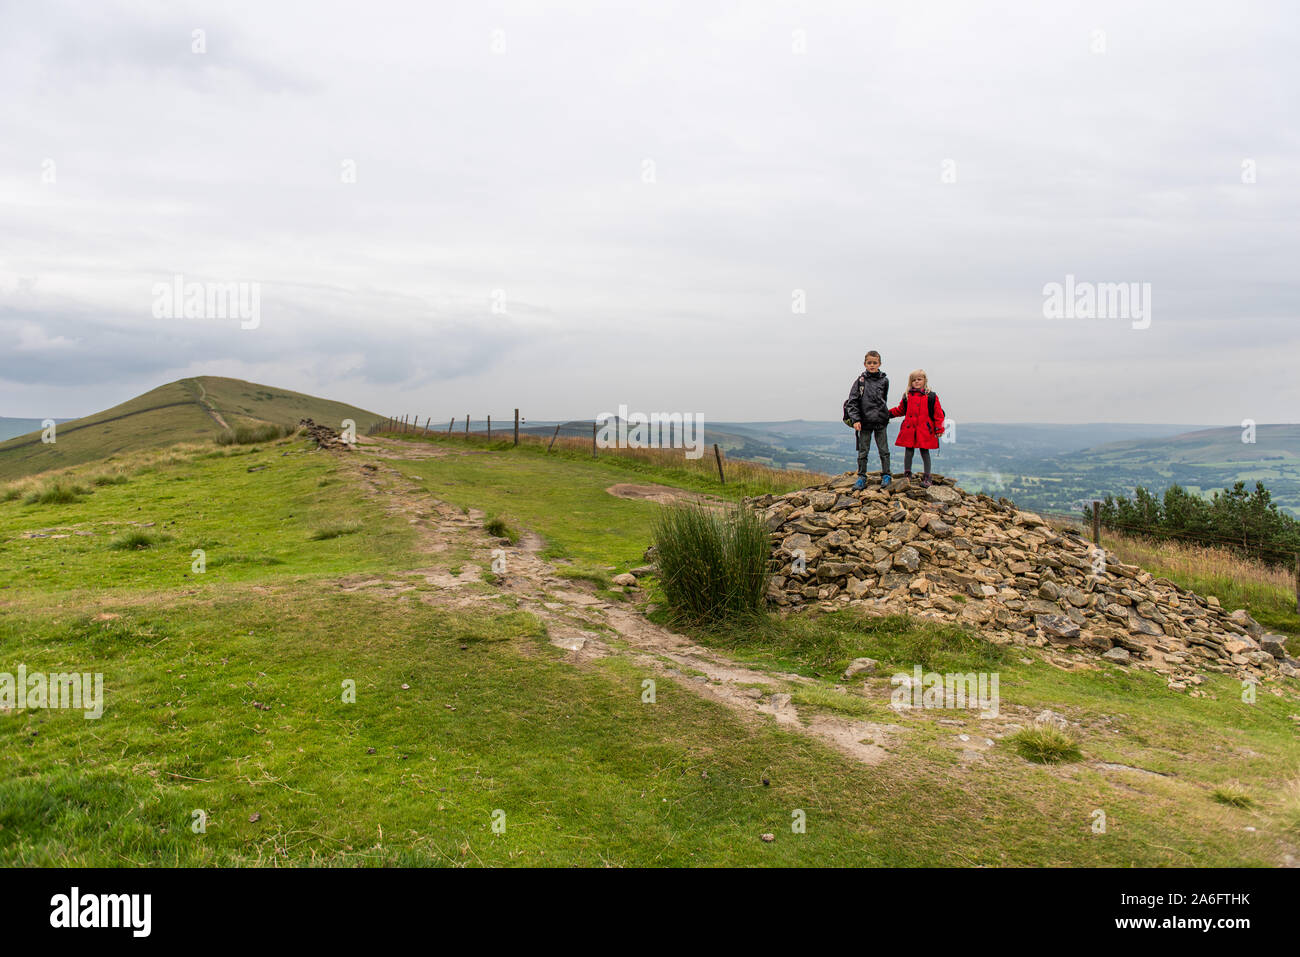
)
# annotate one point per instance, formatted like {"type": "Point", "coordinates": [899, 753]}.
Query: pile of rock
{"type": "Point", "coordinates": [941, 553]}
{"type": "Point", "coordinates": [326, 438]}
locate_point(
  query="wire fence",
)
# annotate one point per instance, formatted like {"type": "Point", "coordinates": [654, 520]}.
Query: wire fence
{"type": "Point", "coordinates": [671, 450]}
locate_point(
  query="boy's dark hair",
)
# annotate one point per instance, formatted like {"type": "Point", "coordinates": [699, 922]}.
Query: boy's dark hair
{"type": "Point", "coordinates": [873, 352]}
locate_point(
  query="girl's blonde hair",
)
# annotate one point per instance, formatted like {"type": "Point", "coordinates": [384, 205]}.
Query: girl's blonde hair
{"type": "Point", "coordinates": [918, 372]}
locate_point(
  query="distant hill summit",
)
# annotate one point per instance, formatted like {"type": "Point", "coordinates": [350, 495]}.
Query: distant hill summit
{"type": "Point", "coordinates": [187, 410]}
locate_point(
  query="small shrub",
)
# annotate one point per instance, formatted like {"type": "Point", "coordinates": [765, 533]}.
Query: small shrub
{"type": "Point", "coordinates": [1045, 744]}
{"type": "Point", "coordinates": [323, 532]}
{"type": "Point", "coordinates": [1233, 795]}
{"type": "Point", "coordinates": [712, 566]}
{"type": "Point", "coordinates": [131, 541]}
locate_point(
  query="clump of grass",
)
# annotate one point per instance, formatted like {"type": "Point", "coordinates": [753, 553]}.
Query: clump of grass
{"type": "Point", "coordinates": [498, 527]}
{"type": "Point", "coordinates": [56, 493]}
{"type": "Point", "coordinates": [252, 434]}
{"type": "Point", "coordinates": [1045, 744]}
{"type": "Point", "coordinates": [335, 530]}
{"type": "Point", "coordinates": [132, 541]}
{"type": "Point", "coordinates": [712, 566]}
{"type": "Point", "coordinates": [819, 696]}
{"type": "Point", "coordinates": [112, 478]}
{"type": "Point", "coordinates": [12, 493]}
{"type": "Point", "coordinates": [1233, 795]}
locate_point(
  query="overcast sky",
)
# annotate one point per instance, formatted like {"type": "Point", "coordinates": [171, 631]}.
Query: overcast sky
{"type": "Point", "coordinates": [504, 150]}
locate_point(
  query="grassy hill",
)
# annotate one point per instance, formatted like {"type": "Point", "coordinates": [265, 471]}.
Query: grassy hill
{"type": "Point", "coordinates": [478, 697]}
{"type": "Point", "coordinates": [186, 410]}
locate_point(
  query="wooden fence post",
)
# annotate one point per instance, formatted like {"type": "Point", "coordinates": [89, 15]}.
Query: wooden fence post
{"type": "Point", "coordinates": [516, 426]}
{"type": "Point", "coordinates": [1297, 582]}
{"type": "Point", "coordinates": [718, 455]}
{"type": "Point", "coordinates": [489, 428]}
{"type": "Point", "coordinates": [553, 437]}
{"type": "Point", "coordinates": [467, 425]}
{"type": "Point", "coordinates": [427, 420]}
{"type": "Point", "coordinates": [1096, 522]}
{"type": "Point", "coordinates": [593, 440]}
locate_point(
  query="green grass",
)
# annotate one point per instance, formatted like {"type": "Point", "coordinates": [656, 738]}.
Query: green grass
{"type": "Point", "coordinates": [249, 525]}
{"type": "Point", "coordinates": [821, 645]}
{"type": "Point", "coordinates": [621, 468]}
{"type": "Point", "coordinates": [225, 694]}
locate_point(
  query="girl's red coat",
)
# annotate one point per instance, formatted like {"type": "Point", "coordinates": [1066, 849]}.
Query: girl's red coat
{"type": "Point", "coordinates": [917, 432]}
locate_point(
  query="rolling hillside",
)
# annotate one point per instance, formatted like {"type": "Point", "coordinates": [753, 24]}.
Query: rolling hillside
{"type": "Point", "coordinates": [186, 410]}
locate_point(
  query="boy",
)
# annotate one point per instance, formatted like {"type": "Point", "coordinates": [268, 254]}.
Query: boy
{"type": "Point", "coordinates": [868, 409]}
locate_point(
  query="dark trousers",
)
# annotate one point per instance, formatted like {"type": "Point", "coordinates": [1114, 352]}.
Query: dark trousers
{"type": "Point", "coordinates": [864, 447]}
{"type": "Point", "coordinates": [907, 459]}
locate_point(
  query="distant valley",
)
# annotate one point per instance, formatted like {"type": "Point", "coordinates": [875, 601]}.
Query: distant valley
{"type": "Point", "coordinates": [1052, 468]}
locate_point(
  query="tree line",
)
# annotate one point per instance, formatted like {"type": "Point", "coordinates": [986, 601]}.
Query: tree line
{"type": "Point", "coordinates": [1247, 522]}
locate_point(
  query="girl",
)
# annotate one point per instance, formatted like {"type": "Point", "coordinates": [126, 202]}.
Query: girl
{"type": "Point", "coordinates": [922, 423]}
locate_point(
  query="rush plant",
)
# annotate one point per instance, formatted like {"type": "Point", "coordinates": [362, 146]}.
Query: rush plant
{"type": "Point", "coordinates": [713, 565]}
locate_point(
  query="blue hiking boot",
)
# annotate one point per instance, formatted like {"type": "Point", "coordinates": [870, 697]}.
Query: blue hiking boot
{"type": "Point", "coordinates": [860, 484]}
{"type": "Point", "coordinates": [885, 479]}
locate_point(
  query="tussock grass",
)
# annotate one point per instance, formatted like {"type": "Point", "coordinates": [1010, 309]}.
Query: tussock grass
{"type": "Point", "coordinates": [253, 434]}
{"type": "Point", "coordinates": [498, 527]}
{"type": "Point", "coordinates": [1045, 744]}
{"type": "Point", "coordinates": [1233, 795]}
{"type": "Point", "coordinates": [111, 478]}
{"type": "Point", "coordinates": [712, 566]}
{"type": "Point", "coordinates": [57, 492]}
{"type": "Point", "coordinates": [323, 532]}
{"type": "Point", "coordinates": [132, 541]}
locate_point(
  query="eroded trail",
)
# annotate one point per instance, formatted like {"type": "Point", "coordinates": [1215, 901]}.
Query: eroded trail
{"type": "Point", "coordinates": [583, 623]}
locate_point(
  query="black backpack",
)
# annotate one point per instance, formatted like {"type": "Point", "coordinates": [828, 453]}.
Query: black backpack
{"type": "Point", "coordinates": [849, 422]}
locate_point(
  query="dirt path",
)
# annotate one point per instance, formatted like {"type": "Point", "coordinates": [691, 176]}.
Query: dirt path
{"type": "Point", "coordinates": [584, 624]}
{"type": "Point", "coordinates": [208, 407]}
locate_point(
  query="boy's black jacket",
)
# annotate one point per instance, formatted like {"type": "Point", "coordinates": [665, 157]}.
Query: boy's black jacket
{"type": "Point", "coordinates": [868, 400]}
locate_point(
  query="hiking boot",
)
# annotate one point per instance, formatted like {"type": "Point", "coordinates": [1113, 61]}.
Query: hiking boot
{"type": "Point", "coordinates": [908, 475]}
{"type": "Point", "coordinates": [860, 484]}
{"type": "Point", "coordinates": [925, 481]}
{"type": "Point", "coordinates": [885, 479]}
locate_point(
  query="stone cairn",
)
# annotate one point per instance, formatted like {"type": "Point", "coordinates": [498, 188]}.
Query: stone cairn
{"type": "Point", "coordinates": [942, 554]}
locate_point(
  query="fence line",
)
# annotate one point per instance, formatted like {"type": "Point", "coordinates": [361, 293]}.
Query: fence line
{"type": "Point", "coordinates": [572, 437]}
